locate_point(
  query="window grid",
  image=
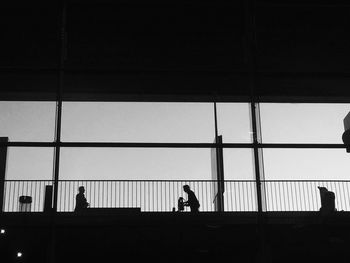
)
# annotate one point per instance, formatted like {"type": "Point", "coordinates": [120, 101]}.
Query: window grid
{"type": "Point", "coordinates": [254, 145]}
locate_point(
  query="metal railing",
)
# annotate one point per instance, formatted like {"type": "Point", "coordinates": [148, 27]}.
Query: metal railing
{"type": "Point", "coordinates": [156, 196]}
{"type": "Point", "coordinates": [304, 195]}
{"type": "Point", "coordinates": [162, 195]}
{"type": "Point", "coordinates": [148, 195]}
{"type": "Point", "coordinates": [13, 189]}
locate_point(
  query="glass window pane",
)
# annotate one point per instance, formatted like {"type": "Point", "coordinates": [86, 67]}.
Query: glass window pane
{"type": "Point", "coordinates": [138, 122]}
{"type": "Point", "coordinates": [293, 177]}
{"type": "Point", "coordinates": [135, 164]}
{"type": "Point", "coordinates": [28, 171]}
{"type": "Point", "coordinates": [29, 163]}
{"type": "Point", "coordinates": [152, 178]}
{"type": "Point", "coordinates": [302, 123]}
{"type": "Point", "coordinates": [239, 164]}
{"type": "Point", "coordinates": [234, 123]}
{"type": "Point", "coordinates": [148, 178]}
{"type": "Point", "coordinates": [27, 121]}
{"type": "Point", "coordinates": [306, 164]}
{"type": "Point", "coordinates": [240, 187]}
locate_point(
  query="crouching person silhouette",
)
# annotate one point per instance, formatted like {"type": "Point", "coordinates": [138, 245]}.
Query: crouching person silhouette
{"type": "Point", "coordinates": [327, 201]}
{"type": "Point", "coordinates": [80, 200]}
{"type": "Point", "coordinates": [180, 204]}
{"type": "Point", "coordinates": [192, 200]}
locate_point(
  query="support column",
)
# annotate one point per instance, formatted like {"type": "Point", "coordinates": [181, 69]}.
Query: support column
{"type": "Point", "coordinates": [61, 60]}
{"type": "Point", "coordinates": [251, 48]}
{"type": "Point", "coordinates": [3, 158]}
{"type": "Point", "coordinates": [219, 168]}
{"type": "Point", "coordinates": [220, 175]}
{"type": "Point", "coordinates": [258, 159]}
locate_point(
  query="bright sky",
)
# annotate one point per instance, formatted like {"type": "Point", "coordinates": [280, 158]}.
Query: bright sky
{"type": "Point", "coordinates": [173, 122]}
{"type": "Point", "coordinates": [304, 123]}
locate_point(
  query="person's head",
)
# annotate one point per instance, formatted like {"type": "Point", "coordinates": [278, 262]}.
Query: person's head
{"type": "Point", "coordinates": [81, 189]}
{"type": "Point", "coordinates": [186, 188]}
{"type": "Point", "coordinates": [322, 189]}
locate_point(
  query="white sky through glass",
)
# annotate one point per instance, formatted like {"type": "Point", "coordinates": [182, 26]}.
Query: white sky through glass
{"type": "Point", "coordinates": [173, 122]}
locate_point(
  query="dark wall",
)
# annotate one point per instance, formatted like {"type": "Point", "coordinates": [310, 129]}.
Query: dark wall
{"type": "Point", "coordinates": [177, 49]}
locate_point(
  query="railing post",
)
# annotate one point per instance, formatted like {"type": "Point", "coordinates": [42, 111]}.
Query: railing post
{"type": "Point", "coordinates": [3, 157]}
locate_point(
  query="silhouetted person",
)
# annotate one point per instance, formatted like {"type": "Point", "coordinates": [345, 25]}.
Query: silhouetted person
{"type": "Point", "coordinates": [327, 200]}
{"type": "Point", "coordinates": [80, 200]}
{"type": "Point", "coordinates": [192, 200]}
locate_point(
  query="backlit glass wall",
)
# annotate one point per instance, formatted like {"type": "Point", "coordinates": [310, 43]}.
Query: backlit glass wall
{"type": "Point", "coordinates": [140, 154]}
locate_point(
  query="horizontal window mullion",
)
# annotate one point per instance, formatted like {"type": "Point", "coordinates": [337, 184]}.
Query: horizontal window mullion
{"type": "Point", "coordinates": [303, 145]}
{"type": "Point", "coordinates": [124, 144]}
{"type": "Point", "coordinates": [173, 145]}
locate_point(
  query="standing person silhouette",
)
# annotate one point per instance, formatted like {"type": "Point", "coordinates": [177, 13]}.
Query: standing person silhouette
{"type": "Point", "coordinates": [80, 200]}
{"type": "Point", "coordinates": [192, 200]}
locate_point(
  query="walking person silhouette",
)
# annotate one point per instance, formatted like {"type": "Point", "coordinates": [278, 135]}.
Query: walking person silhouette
{"type": "Point", "coordinates": [192, 200]}
{"type": "Point", "coordinates": [80, 200]}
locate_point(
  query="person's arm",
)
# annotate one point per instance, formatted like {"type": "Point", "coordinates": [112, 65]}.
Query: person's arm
{"type": "Point", "coordinates": [86, 204]}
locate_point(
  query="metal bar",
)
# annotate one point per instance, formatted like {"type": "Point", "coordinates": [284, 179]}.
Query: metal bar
{"type": "Point", "coordinates": [17, 190]}
{"type": "Point", "coordinates": [256, 155]}
{"type": "Point", "coordinates": [3, 159]}
{"type": "Point", "coordinates": [123, 144]}
{"type": "Point", "coordinates": [9, 195]}
{"type": "Point", "coordinates": [346, 201]}
{"type": "Point", "coordinates": [176, 145]}
{"type": "Point", "coordinates": [223, 72]}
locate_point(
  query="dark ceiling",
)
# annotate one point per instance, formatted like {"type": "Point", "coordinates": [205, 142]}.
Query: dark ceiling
{"type": "Point", "coordinates": [177, 50]}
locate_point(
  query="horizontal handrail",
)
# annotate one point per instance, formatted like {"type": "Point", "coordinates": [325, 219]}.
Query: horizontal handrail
{"type": "Point", "coordinates": [130, 180]}
{"type": "Point", "coordinates": [176, 180]}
